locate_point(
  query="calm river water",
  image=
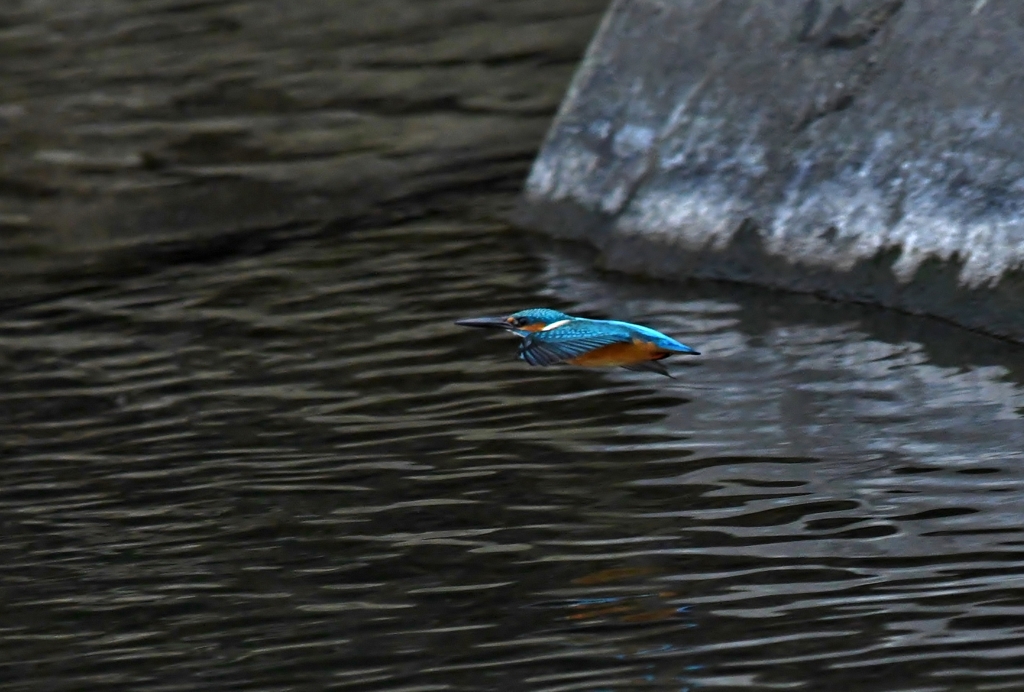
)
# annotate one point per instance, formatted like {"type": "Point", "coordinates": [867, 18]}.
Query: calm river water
{"type": "Point", "coordinates": [289, 470]}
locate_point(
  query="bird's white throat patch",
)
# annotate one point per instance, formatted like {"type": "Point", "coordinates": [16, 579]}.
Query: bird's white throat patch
{"type": "Point", "coordinates": [555, 325]}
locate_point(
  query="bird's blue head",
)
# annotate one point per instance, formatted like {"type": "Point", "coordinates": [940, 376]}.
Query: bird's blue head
{"type": "Point", "coordinates": [520, 323]}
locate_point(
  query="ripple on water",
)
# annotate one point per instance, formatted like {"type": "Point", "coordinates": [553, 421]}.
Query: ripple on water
{"type": "Point", "coordinates": [291, 469]}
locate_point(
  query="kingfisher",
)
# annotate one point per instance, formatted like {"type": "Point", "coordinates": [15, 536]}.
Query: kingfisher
{"type": "Point", "coordinates": [550, 337]}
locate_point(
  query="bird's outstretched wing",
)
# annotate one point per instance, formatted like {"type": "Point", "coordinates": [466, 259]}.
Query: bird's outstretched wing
{"type": "Point", "coordinates": [569, 341]}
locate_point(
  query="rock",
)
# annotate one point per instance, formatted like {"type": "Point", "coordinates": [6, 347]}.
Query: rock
{"type": "Point", "coordinates": [868, 150]}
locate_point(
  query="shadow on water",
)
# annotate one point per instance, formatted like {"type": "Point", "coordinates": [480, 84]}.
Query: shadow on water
{"type": "Point", "coordinates": [289, 470]}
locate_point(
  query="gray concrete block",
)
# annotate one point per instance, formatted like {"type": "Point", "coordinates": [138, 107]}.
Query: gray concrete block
{"type": "Point", "coordinates": [870, 150]}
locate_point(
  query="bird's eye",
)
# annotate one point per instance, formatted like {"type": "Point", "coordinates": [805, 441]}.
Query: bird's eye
{"type": "Point", "coordinates": [519, 321]}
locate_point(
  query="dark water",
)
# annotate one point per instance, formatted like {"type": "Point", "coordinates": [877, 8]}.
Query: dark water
{"type": "Point", "coordinates": [290, 471]}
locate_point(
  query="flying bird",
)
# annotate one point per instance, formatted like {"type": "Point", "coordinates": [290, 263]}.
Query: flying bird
{"type": "Point", "coordinates": [550, 337]}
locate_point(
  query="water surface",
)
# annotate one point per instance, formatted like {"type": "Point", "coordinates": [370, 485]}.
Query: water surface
{"type": "Point", "coordinates": [289, 470]}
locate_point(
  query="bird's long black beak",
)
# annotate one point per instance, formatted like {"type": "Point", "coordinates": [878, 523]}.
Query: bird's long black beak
{"type": "Point", "coordinates": [488, 322]}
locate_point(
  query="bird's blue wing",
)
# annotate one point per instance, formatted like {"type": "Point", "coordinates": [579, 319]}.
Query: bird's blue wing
{"type": "Point", "coordinates": [540, 352]}
{"type": "Point", "coordinates": [567, 342]}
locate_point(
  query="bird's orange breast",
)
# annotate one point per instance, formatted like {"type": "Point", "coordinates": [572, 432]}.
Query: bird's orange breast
{"type": "Point", "coordinates": [619, 354]}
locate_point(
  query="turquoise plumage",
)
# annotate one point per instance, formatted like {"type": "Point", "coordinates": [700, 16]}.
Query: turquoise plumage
{"type": "Point", "coordinates": [579, 339]}
{"type": "Point", "coordinates": [550, 337]}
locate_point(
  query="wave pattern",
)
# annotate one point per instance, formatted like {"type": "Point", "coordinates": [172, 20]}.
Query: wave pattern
{"type": "Point", "coordinates": [292, 472]}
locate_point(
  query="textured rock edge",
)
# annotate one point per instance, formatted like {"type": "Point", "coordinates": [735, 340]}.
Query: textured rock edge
{"type": "Point", "coordinates": [737, 247]}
